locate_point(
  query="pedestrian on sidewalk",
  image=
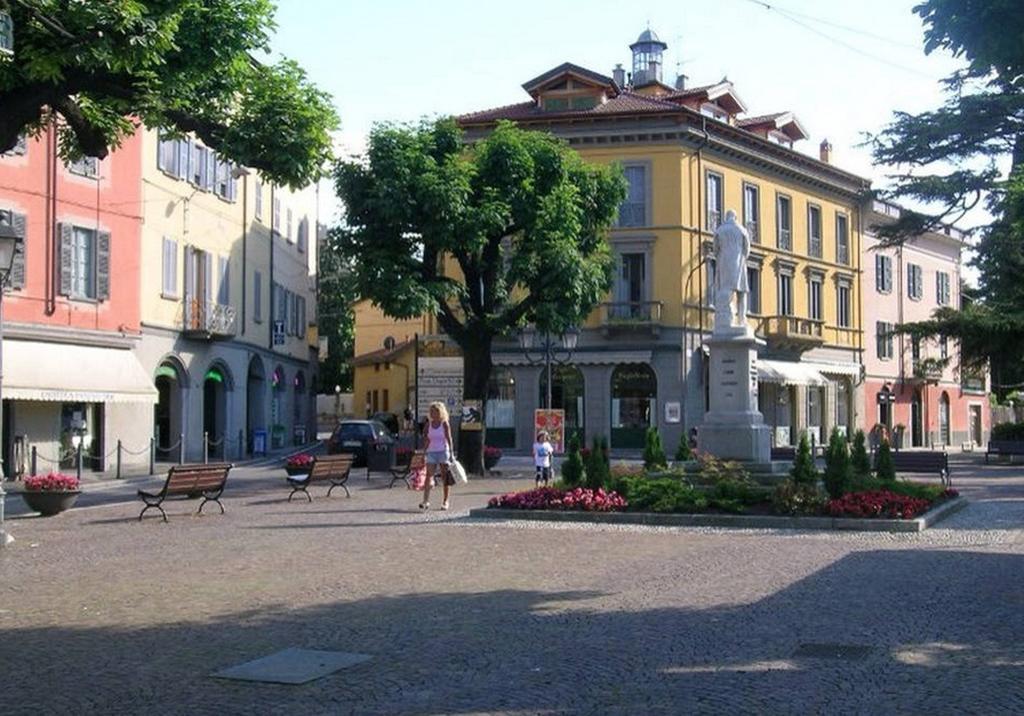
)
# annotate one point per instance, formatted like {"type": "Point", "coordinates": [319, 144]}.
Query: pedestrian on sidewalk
{"type": "Point", "coordinates": [542, 452]}
{"type": "Point", "coordinates": [437, 441]}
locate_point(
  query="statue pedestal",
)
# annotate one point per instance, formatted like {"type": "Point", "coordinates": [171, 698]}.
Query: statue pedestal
{"type": "Point", "coordinates": [733, 427]}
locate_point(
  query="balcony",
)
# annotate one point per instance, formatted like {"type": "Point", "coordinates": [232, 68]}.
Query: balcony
{"type": "Point", "coordinates": [793, 333]}
{"type": "Point", "coordinates": [208, 320]}
{"type": "Point", "coordinates": [928, 370]}
{"type": "Point", "coordinates": [638, 316]}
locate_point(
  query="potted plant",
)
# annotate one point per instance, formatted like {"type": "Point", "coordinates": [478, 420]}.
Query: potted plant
{"type": "Point", "coordinates": [51, 494]}
{"type": "Point", "coordinates": [299, 464]}
{"type": "Point", "coordinates": [491, 457]}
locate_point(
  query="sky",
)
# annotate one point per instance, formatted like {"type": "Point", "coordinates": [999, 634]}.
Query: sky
{"type": "Point", "coordinates": [841, 67]}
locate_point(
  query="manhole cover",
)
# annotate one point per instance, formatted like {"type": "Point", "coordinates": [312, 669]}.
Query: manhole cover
{"type": "Point", "coordinates": [846, 652]}
{"type": "Point", "coordinates": [292, 666]}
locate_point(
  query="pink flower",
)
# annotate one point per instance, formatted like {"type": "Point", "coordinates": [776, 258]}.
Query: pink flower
{"type": "Point", "coordinates": [52, 482]}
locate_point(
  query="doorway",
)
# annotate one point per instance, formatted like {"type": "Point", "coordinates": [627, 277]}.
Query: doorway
{"type": "Point", "coordinates": [944, 419]}
{"type": "Point", "coordinates": [916, 420]}
{"type": "Point", "coordinates": [974, 413]}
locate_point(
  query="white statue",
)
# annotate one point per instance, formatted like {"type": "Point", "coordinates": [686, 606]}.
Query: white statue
{"type": "Point", "coordinates": [732, 247]}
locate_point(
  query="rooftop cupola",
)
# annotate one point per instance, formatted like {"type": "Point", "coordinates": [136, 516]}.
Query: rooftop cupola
{"type": "Point", "coordinates": [647, 58]}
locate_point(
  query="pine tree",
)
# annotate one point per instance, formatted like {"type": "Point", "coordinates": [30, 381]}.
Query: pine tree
{"type": "Point", "coordinates": [804, 472]}
{"type": "Point", "coordinates": [683, 452]}
{"type": "Point", "coordinates": [597, 467]}
{"type": "Point", "coordinates": [838, 470]}
{"type": "Point", "coordinates": [572, 468]}
{"type": "Point", "coordinates": [884, 469]}
{"type": "Point", "coordinates": [859, 459]}
{"type": "Point", "coordinates": [654, 453]}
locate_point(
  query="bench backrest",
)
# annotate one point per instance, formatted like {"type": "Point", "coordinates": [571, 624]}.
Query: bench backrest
{"type": "Point", "coordinates": [1016, 446]}
{"type": "Point", "coordinates": [326, 467]}
{"type": "Point", "coordinates": [187, 479]}
{"type": "Point", "coordinates": [924, 461]}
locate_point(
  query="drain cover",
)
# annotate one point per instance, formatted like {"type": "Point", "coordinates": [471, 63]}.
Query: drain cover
{"type": "Point", "coordinates": [292, 666]}
{"type": "Point", "coordinates": [845, 652]}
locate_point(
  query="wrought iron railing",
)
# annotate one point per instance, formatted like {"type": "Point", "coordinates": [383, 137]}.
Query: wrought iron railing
{"type": "Point", "coordinates": [631, 313]}
{"type": "Point", "coordinates": [209, 318]}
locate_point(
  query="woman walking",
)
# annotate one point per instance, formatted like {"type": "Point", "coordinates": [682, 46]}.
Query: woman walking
{"type": "Point", "coordinates": [437, 440]}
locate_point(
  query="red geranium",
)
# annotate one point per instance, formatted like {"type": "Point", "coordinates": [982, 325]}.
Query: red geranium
{"type": "Point", "coordinates": [53, 482]}
{"type": "Point", "coordinates": [878, 503]}
{"type": "Point", "coordinates": [552, 498]}
{"type": "Point", "coordinates": [301, 460]}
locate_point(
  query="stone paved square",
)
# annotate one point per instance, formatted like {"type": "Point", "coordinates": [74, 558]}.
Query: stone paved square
{"type": "Point", "coordinates": [101, 614]}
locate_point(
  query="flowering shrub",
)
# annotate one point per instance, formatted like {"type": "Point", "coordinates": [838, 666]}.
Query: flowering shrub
{"type": "Point", "coordinates": [301, 460]}
{"type": "Point", "coordinates": [552, 498]}
{"type": "Point", "coordinates": [54, 482]}
{"type": "Point", "coordinates": [492, 453]}
{"type": "Point", "coordinates": [878, 503]}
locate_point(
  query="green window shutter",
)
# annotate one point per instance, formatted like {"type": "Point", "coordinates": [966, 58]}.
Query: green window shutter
{"type": "Point", "coordinates": [66, 233]}
{"type": "Point", "coordinates": [103, 265]}
{"type": "Point", "coordinates": [17, 278]}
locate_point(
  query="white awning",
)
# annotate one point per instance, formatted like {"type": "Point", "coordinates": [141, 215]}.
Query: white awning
{"type": "Point", "coordinates": [788, 373]}
{"type": "Point", "coordinates": [58, 372]}
{"type": "Point", "coordinates": [850, 369]}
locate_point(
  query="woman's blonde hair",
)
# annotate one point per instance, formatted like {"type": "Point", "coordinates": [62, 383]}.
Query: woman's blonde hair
{"type": "Point", "coordinates": [442, 411]}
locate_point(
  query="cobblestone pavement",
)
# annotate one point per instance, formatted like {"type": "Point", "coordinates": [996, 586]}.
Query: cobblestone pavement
{"type": "Point", "coordinates": [102, 615]}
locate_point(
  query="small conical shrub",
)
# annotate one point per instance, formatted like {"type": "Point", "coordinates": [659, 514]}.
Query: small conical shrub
{"type": "Point", "coordinates": [683, 452]}
{"type": "Point", "coordinates": [654, 453]}
{"type": "Point", "coordinates": [572, 467]}
{"type": "Point", "coordinates": [838, 471]}
{"type": "Point", "coordinates": [596, 465]}
{"type": "Point", "coordinates": [804, 472]}
{"type": "Point", "coordinates": [884, 469]}
{"type": "Point", "coordinates": [859, 459]}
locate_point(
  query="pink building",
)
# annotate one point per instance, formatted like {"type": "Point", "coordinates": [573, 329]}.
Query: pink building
{"type": "Point", "coordinates": [71, 308]}
{"type": "Point", "coordinates": [915, 388]}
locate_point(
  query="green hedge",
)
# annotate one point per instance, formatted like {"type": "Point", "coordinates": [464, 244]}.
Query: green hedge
{"type": "Point", "coordinates": [1008, 431]}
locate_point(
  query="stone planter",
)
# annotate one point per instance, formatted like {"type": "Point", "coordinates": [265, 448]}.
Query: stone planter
{"type": "Point", "coordinates": [294, 470]}
{"type": "Point", "coordinates": [491, 462]}
{"type": "Point", "coordinates": [48, 503]}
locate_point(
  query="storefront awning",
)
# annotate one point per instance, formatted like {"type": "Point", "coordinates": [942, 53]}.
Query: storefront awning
{"type": "Point", "coordinates": [58, 372]}
{"type": "Point", "coordinates": [850, 369]}
{"type": "Point", "coordinates": [788, 373]}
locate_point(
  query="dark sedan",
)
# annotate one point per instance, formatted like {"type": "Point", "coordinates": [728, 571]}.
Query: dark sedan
{"type": "Point", "coordinates": [362, 438]}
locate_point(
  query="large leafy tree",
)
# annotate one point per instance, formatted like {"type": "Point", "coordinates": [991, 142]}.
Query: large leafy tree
{"type": "Point", "coordinates": [336, 318]}
{"type": "Point", "coordinates": [487, 237]}
{"type": "Point", "coordinates": [181, 65]}
{"type": "Point", "coordinates": [970, 152]}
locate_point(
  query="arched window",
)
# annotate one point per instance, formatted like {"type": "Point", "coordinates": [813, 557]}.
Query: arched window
{"type": "Point", "coordinates": [634, 404]}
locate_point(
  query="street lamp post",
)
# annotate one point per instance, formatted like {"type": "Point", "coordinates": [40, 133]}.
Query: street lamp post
{"type": "Point", "coordinates": [551, 349]}
{"type": "Point", "coordinates": [10, 245]}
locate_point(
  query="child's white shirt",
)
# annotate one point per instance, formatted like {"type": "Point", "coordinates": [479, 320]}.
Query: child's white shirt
{"type": "Point", "coordinates": [542, 454]}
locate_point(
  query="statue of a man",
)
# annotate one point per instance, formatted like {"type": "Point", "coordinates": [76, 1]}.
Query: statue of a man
{"type": "Point", "coordinates": [732, 247]}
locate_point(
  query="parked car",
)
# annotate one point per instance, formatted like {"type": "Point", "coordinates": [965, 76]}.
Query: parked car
{"type": "Point", "coordinates": [390, 421]}
{"type": "Point", "coordinates": [363, 438]}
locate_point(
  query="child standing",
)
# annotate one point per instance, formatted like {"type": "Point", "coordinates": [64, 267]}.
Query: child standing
{"type": "Point", "coordinates": [542, 452]}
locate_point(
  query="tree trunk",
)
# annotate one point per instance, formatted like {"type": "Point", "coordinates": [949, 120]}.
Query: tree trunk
{"type": "Point", "coordinates": [476, 374]}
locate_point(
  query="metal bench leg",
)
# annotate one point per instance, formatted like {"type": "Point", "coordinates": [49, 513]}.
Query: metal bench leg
{"type": "Point", "coordinates": [301, 489]}
{"type": "Point", "coordinates": [341, 485]}
{"type": "Point", "coordinates": [210, 499]}
{"type": "Point", "coordinates": [148, 506]}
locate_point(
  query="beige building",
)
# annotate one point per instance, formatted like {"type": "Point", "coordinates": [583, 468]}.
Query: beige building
{"type": "Point", "coordinates": [228, 303]}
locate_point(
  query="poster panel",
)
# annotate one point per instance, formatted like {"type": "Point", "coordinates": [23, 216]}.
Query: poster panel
{"type": "Point", "coordinates": [553, 423]}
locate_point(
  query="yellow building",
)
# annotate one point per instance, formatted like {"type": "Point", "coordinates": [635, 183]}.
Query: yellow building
{"type": "Point", "coordinates": [228, 302]}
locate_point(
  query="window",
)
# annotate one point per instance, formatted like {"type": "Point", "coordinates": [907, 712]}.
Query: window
{"type": "Point", "coordinates": [942, 288]}
{"type": "Point", "coordinates": [915, 289]}
{"type": "Point", "coordinates": [883, 337]}
{"type": "Point", "coordinates": [556, 104]}
{"type": "Point", "coordinates": [714, 189]}
{"type": "Point", "coordinates": [785, 294]}
{"type": "Point", "coordinates": [303, 323]}
{"type": "Point", "coordinates": [258, 200]}
{"type": "Point", "coordinates": [753, 289]}
{"type": "Point", "coordinates": [199, 166]}
{"type": "Point", "coordinates": [167, 155]}
{"type": "Point", "coordinates": [814, 231]}
{"type": "Point", "coordinates": [843, 305]}
{"type": "Point", "coordinates": [630, 287]}
{"type": "Point", "coordinates": [170, 268]}
{"type": "Point", "coordinates": [842, 239]}
{"type": "Point", "coordinates": [17, 223]}
{"type": "Point", "coordinates": [780, 138]}
{"type": "Point", "coordinates": [915, 348]}
{"type": "Point", "coordinates": [86, 167]}
{"type": "Point", "coordinates": [583, 102]}
{"type": "Point", "coordinates": [276, 219]}
{"type": "Point", "coordinates": [714, 111]}
{"type": "Point", "coordinates": [181, 166]}
{"type": "Point", "coordinates": [224, 282]}
{"type": "Point", "coordinates": [784, 222]}
{"type": "Point", "coordinates": [633, 211]}
{"type": "Point", "coordinates": [257, 297]}
{"type": "Point", "coordinates": [83, 263]}
{"type": "Point", "coordinates": [302, 240]}
{"type": "Point", "coordinates": [814, 296]}
{"type": "Point", "coordinates": [288, 226]}
{"type": "Point", "coordinates": [883, 273]}
{"type": "Point", "coordinates": [944, 347]}
{"type": "Point", "coordinates": [752, 211]}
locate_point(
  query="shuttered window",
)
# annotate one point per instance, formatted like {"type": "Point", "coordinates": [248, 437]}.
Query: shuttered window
{"type": "Point", "coordinates": [303, 237]}
{"type": "Point", "coordinates": [167, 155]}
{"type": "Point", "coordinates": [257, 297]}
{"type": "Point", "coordinates": [258, 200]}
{"type": "Point", "coordinates": [915, 282]}
{"type": "Point", "coordinates": [942, 288]}
{"type": "Point", "coordinates": [170, 268]}
{"type": "Point", "coordinates": [17, 222]}
{"type": "Point", "coordinates": [883, 273]}
{"type": "Point", "coordinates": [224, 281]}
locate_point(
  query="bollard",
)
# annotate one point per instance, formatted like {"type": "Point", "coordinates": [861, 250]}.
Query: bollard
{"type": "Point", "coordinates": [206, 447]}
{"type": "Point", "coordinates": [181, 449]}
{"type": "Point", "coordinates": [32, 467]}
{"type": "Point", "coordinates": [78, 461]}
{"type": "Point", "coordinates": [152, 456]}
{"type": "Point", "coordinates": [119, 459]}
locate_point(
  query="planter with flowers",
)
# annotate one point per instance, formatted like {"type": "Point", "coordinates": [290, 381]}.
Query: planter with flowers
{"type": "Point", "coordinates": [51, 494]}
{"type": "Point", "coordinates": [299, 464]}
{"type": "Point", "coordinates": [491, 457]}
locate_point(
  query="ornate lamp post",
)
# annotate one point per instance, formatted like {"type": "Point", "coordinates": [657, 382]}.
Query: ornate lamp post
{"type": "Point", "coordinates": [10, 245]}
{"type": "Point", "coordinates": [551, 349]}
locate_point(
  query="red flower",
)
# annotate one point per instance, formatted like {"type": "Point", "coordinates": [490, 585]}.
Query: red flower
{"type": "Point", "coordinates": [301, 460]}
{"type": "Point", "coordinates": [550, 498]}
{"type": "Point", "coordinates": [877, 503]}
{"type": "Point", "coordinates": [53, 482]}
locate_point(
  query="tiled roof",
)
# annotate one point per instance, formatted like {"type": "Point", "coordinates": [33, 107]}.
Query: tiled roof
{"type": "Point", "coordinates": [381, 354]}
{"type": "Point", "coordinates": [691, 91]}
{"type": "Point", "coordinates": [569, 67]}
{"type": "Point", "coordinates": [625, 103]}
{"type": "Point", "coordinates": [762, 119]}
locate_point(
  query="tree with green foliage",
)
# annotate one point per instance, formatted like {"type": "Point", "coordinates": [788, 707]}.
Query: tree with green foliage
{"type": "Point", "coordinates": [97, 69]}
{"type": "Point", "coordinates": [951, 158]}
{"type": "Point", "coordinates": [838, 475]}
{"type": "Point", "coordinates": [804, 471]}
{"type": "Point", "coordinates": [336, 317]}
{"type": "Point", "coordinates": [885, 470]}
{"type": "Point", "coordinates": [572, 466]}
{"type": "Point", "coordinates": [654, 453]}
{"type": "Point", "coordinates": [683, 452]}
{"type": "Point", "coordinates": [487, 237]}
{"type": "Point", "coordinates": [598, 467]}
{"type": "Point", "coordinates": [860, 461]}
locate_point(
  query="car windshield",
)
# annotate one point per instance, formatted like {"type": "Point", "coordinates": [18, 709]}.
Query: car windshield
{"type": "Point", "coordinates": [354, 431]}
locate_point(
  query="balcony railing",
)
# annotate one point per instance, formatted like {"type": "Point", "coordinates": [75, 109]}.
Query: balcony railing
{"type": "Point", "coordinates": [208, 319]}
{"type": "Point", "coordinates": [793, 332]}
{"type": "Point", "coordinates": [928, 370]}
{"type": "Point", "coordinates": [639, 315]}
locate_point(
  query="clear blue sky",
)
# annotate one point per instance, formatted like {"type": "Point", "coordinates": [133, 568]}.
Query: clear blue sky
{"type": "Point", "coordinates": [401, 60]}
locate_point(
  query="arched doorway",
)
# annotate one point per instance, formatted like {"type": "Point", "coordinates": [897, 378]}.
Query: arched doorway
{"type": "Point", "coordinates": [566, 394]}
{"type": "Point", "coordinates": [255, 400]}
{"type": "Point", "coordinates": [634, 404]}
{"type": "Point", "coordinates": [500, 410]}
{"type": "Point", "coordinates": [298, 408]}
{"type": "Point", "coordinates": [170, 383]}
{"type": "Point", "coordinates": [916, 419]}
{"type": "Point", "coordinates": [944, 418]}
{"type": "Point", "coordinates": [277, 395]}
{"type": "Point", "coordinates": [216, 383]}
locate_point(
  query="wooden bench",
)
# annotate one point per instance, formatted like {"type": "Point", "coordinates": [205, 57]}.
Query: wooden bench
{"type": "Point", "coordinates": [922, 461]}
{"type": "Point", "coordinates": [1007, 448]}
{"type": "Point", "coordinates": [187, 481]}
{"type": "Point", "coordinates": [330, 468]}
{"type": "Point", "coordinates": [417, 461]}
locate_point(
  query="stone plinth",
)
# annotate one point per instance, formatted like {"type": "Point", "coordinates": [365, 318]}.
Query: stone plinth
{"type": "Point", "coordinates": [734, 428]}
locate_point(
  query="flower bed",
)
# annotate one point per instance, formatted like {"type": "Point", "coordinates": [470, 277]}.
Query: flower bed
{"type": "Point", "coordinates": [552, 498]}
{"type": "Point", "coordinates": [53, 482]}
{"type": "Point", "coordinates": [883, 503]}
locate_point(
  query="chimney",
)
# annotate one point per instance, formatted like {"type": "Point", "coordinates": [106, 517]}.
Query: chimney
{"type": "Point", "coordinates": [619, 75]}
{"type": "Point", "coordinates": [825, 151]}
{"type": "Point", "coordinates": [681, 81]}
